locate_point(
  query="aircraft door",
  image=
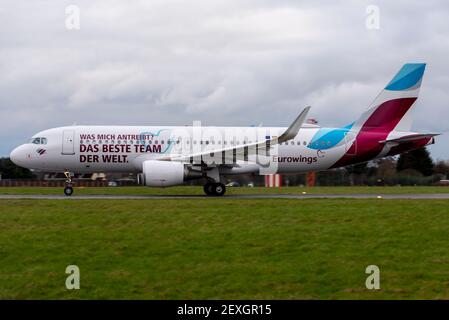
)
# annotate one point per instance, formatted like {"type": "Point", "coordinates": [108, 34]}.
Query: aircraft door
{"type": "Point", "coordinates": [68, 142]}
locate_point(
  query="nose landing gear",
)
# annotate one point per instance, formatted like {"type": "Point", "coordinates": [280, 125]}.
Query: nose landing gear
{"type": "Point", "coordinates": [214, 189]}
{"type": "Point", "coordinates": [68, 190]}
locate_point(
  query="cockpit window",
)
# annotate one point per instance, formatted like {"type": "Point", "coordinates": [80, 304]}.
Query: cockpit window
{"type": "Point", "coordinates": [38, 140]}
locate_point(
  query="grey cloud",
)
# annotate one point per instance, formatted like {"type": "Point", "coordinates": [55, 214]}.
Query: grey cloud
{"type": "Point", "coordinates": [221, 62]}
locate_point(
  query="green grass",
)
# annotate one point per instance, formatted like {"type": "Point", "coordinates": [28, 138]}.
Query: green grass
{"type": "Point", "coordinates": [198, 190]}
{"type": "Point", "coordinates": [224, 248]}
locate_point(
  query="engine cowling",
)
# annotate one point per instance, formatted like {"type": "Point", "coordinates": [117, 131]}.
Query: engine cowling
{"type": "Point", "coordinates": [163, 173]}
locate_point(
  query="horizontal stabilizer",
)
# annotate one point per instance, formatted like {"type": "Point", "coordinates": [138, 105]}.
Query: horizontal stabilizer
{"type": "Point", "coordinates": [412, 137]}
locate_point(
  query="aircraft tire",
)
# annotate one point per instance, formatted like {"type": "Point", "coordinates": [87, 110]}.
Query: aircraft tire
{"type": "Point", "coordinates": [219, 189]}
{"type": "Point", "coordinates": [68, 191]}
{"type": "Point", "coordinates": [208, 190]}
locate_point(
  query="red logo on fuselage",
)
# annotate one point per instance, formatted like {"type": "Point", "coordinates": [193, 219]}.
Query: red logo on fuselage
{"type": "Point", "coordinates": [41, 151]}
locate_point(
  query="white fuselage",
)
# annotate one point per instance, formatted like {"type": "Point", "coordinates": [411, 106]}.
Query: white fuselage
{"type": "Point", "coordinates": [84, 149]}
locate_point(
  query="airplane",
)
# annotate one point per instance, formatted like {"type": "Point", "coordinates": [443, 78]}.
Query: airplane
{"type": "Point", "coordinates": [164, 156]}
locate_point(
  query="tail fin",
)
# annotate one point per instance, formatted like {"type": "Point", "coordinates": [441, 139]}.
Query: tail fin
{"type": "Point", "coordinates": [391, 110]}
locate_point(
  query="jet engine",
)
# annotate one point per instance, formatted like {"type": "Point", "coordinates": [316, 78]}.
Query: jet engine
{"type": "Point", "coordinates": [166, 173]}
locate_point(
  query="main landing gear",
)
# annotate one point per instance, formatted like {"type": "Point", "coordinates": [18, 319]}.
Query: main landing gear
{"type": "Point", "coordinates": [214, 189]}
{"type": "Point", "coordinates": [68, 190]}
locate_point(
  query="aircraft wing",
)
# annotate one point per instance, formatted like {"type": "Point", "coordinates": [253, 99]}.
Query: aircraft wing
{"type": "Point", "coordinates": [243, 150]}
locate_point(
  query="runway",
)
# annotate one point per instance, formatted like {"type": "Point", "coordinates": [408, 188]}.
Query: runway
{"type": "Point", "coordinates": [240, 196]}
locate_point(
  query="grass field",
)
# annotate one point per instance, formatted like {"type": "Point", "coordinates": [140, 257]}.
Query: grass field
{"type": "Point", "coordinates": [198, 190]}
{"type": "Point", "coordinates": [224, 248]}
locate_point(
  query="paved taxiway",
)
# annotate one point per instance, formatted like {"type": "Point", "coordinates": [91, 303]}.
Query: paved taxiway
{"type": "Point", "coordinates": [240, 196]}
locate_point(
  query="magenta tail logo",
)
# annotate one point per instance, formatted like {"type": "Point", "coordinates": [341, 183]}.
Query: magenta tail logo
{"type": "Point", "coordinates": [389, 112]}
{"type": "Point", "coordinates": [41, 151]}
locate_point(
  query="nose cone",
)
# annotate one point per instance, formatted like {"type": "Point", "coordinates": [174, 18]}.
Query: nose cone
{"type": "Point", "coordinates": [18, 156]}
{"type": "Point", "coordinates": [14, 156]}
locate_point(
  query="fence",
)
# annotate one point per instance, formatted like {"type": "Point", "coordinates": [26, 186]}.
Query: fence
{"type": "Point", "coordinates": [52, 183]}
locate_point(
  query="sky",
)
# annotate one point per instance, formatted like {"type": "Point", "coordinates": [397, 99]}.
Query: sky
{"type": "Point", "coordinates": [224, 62]}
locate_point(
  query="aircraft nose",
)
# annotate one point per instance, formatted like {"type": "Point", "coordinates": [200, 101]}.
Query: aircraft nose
{"type": "Point", "coordinates": [18, 156]}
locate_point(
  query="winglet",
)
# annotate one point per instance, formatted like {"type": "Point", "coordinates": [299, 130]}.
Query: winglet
{"type": "Point", "coordinates": [293, 130]}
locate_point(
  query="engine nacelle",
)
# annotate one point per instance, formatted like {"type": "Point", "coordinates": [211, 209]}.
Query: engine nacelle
{"type": "Point", "coordinates": [162, 173]}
